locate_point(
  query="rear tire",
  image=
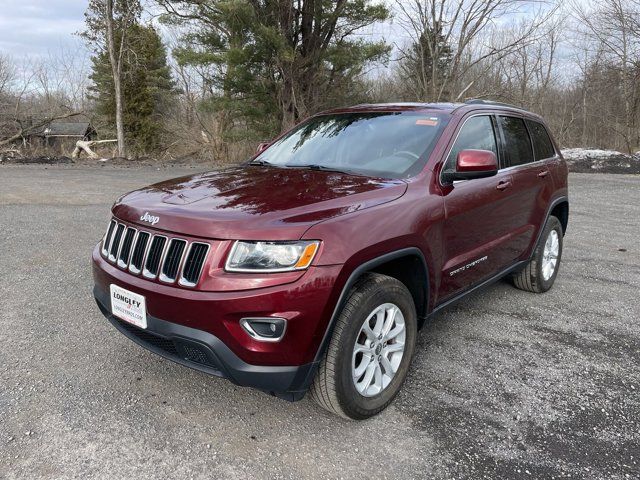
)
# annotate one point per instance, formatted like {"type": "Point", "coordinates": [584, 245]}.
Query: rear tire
{"type": "Point", "coordinates": [376, 304]}
{"type": "Point", "coordinates": [540, 274]}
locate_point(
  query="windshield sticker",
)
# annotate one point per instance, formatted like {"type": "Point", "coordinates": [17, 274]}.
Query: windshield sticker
{"type": "Point", "coordinates": [430, 122]}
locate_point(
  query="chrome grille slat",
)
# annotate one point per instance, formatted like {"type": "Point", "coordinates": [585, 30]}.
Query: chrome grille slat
{"type": "Point", "coordinates": [172, 261]}
{"type": "Point", "coordinates": [156, 256]}
{"type": "Point", "coordinates": [106, 241]}
{"type": "Point", "coordinates": [139, 253]}
{"type": "Point", "coordinates": [115, 243]}
{"type": "Point", "coordinates": [194, 263]}
{"type": "Point", "coordinates": [125, 249]}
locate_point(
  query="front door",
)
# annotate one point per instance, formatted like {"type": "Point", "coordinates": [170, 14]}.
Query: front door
{"type": "Point", "coordinates": [479, 230]}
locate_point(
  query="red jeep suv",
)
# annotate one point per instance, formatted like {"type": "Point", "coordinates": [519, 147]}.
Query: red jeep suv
{"type": "Point", "coordinates": [313, 266]}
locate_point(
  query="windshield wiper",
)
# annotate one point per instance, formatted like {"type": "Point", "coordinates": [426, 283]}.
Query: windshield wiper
{"type": "Point", "coordinates": [262, 163]}
{"type": "Point", "coordinates": [322, 168]}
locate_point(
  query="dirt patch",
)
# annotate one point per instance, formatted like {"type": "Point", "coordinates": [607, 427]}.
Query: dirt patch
{"type": "Point", "coordinates": [117, 162]}
{"type": "Point", "coordinates": [43, 160]}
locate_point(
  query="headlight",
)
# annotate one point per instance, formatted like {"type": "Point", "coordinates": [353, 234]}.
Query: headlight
{"type": "Point", "coordinates": [271, 256]}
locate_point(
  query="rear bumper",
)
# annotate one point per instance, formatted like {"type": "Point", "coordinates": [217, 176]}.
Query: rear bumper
{"type": "Point", "coordinates": [205, 352]}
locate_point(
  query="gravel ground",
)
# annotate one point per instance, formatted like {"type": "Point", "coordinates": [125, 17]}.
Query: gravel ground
{"type": "Point", "coordinates": [505, 384]}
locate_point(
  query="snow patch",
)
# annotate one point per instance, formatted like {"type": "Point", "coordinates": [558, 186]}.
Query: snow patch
{"type": "Point", "coordinates": [601, 161]}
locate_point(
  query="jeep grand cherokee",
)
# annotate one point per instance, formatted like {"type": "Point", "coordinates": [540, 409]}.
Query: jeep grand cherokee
{"type": "Point", "coordinates": [313, 266]}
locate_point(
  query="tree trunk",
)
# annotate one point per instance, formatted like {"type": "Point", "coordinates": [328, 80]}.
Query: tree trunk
{"type": "Point", "coordinates": [116, 69]}
{"type": "Point", "coordinates": [288, 104]}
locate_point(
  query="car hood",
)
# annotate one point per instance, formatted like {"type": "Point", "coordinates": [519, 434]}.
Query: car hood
{"type": "Point", "coordinates": [253, 202]}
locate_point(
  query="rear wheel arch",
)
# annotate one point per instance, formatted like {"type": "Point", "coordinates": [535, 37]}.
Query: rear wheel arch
{"type": "Point", "coordinates": [560, 210]}
{"type": "Point", "coordinates": [558, 206]}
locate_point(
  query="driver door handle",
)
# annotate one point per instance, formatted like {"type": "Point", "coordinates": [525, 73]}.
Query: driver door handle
{"type": "Point", "coordinates": [503, 185]}
{"type": "Point", "coordinates": [543, 173]}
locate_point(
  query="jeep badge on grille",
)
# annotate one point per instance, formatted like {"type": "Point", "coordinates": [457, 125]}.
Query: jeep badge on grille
{"type": "Point", "coordinates": [149, 218]}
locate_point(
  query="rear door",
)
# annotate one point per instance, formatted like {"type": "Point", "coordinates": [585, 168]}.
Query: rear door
{"type": "Point", "coordinates": [478, 226]}
{"type": "Point", "coordinates": [528, 152]}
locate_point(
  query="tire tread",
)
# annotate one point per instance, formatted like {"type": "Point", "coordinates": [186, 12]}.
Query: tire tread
{"type": "Point", "coordinates": [527, 279]}
{"type": "Point", "coordinates": [323, 390]}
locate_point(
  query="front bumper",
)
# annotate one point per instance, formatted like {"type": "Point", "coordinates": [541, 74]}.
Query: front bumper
{"type": "Point", "coordinates": [201, 329]}
{"type": "Point", "coordinates": [205, 352]}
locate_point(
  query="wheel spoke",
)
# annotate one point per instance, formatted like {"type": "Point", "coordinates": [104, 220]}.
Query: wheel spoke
{"type": "Point", "coordinates": [366, 328]}
{"type": "Point", "coordinates": [395, 332]}
{"type": "Point", "coordinates": [359, 348]}
{"type": "Point", "coordinates": [390, 318]}
{"type": "Point", "coordinates": [377, 328]}
{"type": "Point", "coordinates": [368, 376]}
{"type": "Point", "coordinates": [389, 369]}
{"type": "Point", "coordinates": [360, 369]}
{"type": "Point", "coordinates": [393, 347]}
{"type": "Point", "coordinates": [378, 377]}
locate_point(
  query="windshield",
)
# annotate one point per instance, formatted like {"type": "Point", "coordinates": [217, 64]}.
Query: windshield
{"type": "Point", "coordinates": [380, 144]}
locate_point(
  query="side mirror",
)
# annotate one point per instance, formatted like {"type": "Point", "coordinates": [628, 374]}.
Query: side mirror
{"type": "Point", "coordinates": [262, 146]}
{"type": "Point", "coordinates": [472, 164]}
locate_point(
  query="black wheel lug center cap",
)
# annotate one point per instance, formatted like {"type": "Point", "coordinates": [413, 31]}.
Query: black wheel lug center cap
{"type": "Point", "coordinates": [378, 349]}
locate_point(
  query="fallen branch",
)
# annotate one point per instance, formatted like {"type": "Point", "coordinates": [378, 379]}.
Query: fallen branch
{"type": "Point", "coordinates": [85, 146]}
{"type": "Point", "coordinates": [26, 131]}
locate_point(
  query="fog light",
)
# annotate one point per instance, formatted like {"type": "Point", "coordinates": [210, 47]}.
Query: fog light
{"type": "Point", "coordinates": [264, 329]}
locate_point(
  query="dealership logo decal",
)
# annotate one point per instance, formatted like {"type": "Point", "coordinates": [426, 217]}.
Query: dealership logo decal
{"type": "Point", "coordinates": [129, 301]}
{"type": "Point", "coordinates": [149, 218]}
{"type": "Point", "coordinates": [468, 265]}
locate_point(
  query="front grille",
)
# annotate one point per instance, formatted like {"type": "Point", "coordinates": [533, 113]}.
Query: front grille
{"type": "Point", "coordinates": [155, 256]}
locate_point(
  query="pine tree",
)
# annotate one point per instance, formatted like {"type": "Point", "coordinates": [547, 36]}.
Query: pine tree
{"type": "Point", "coordinates": [276, 62]}
{"type": "Point", "coordinates": [426, 63]}
{"type": "Point", "coordinates": [144, 77]}
{"type": "Point", "coordinates": [147, 86]}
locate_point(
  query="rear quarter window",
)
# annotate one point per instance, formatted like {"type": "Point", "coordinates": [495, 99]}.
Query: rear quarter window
{"type": "Point", "coordinates": [542, 146]}
{"type": "Point", "coordinates": [517, 141]}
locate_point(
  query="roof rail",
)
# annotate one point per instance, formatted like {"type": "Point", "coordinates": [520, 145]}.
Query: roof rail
{"type": "Point", "coordinates": [478, 101]}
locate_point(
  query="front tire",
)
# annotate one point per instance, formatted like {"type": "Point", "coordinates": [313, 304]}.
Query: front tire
{"type": "Point", "coordinates": [541, 272]}
{"type": "Point", "coordinates": [370, 351]}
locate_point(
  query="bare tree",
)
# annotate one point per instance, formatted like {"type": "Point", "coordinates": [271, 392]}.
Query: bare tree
{"type": "Point", "coordinates": [454, 30]}
{"type": "Point", "coordinates": [31, 97]}
{"type": "Point", "coordinates": [7, 73]}
{"type": "Point", "coordinates": [613, 27]}
{"type": "Point", "coordinates": [115, 57]}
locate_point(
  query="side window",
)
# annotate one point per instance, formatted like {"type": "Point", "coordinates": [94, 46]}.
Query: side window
{"type": "Point", "coordinates": [542, 146]}
{"type": "Point", "coordinates": [476, 133]}
{"type": "Point", "coordinates": [517, 142]}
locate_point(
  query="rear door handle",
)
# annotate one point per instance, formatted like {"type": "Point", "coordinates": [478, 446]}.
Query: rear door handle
{"type": "Point", "coordinates": [503, 185]}
{"type": "Point", "coordinates": [543, 173]}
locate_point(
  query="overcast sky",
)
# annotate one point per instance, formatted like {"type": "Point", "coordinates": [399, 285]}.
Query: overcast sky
{"type": "Point", "coordinates": [37, 27]}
